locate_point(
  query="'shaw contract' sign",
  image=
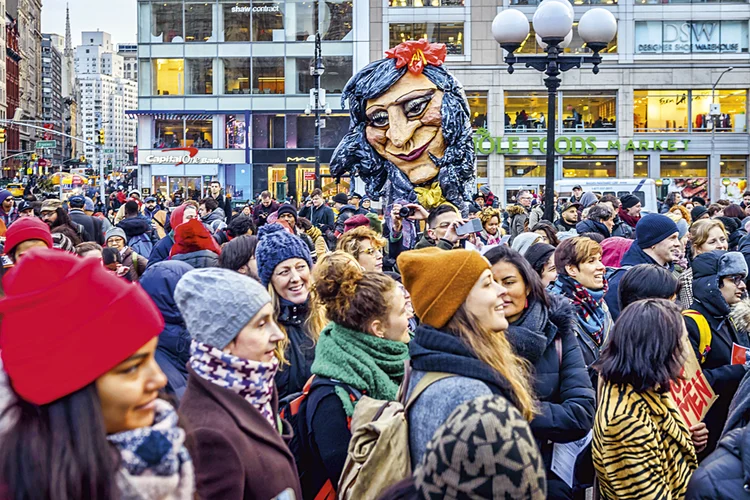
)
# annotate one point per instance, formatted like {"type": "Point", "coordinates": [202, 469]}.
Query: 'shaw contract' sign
{"type": "Point", "coordinates": [692, 394]}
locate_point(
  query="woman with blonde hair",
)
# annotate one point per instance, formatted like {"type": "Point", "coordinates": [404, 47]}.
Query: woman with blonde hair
{"type": "Point", "coordinates": [492, 231]}
{"type": "Point", "coordinates": [360, 351]}
{"type": "Point", "coordinates": [284, 265]}
{"type": "Point", "coordinates": [365, 246]}
{"type": "Point", "coordinates": [461, 334]}
{"type": "Point", "coordinates": [706, 235]}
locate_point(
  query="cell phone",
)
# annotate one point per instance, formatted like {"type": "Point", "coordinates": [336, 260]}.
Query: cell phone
{"type": "Point", "coordinates": [473, 226]}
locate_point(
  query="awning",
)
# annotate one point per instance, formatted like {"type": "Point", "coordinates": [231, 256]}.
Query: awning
{"type": "Point", "coordinates": [172, 116]}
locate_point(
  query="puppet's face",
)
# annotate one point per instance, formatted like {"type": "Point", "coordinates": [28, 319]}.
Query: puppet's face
{"type": "Point", "coordinates": [404, 124]}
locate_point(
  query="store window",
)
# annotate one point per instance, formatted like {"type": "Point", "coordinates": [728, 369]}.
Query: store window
{"type": "Point", "coordinates": [685, 37]}
{"type": "Point", "coordinates": [268, 131]}
{"type": "Point", "coordinates": [237, 21]}
{"type": "Point", "coordinates": [575, 2]}
{"type": "Point", "coordinates": [199, 74]}
{"type": "Point", "coordinates": [451, 34]}
{"type": "Point", "coordinates": [589, 166]}
{"type": "Point", "coordinates": [169, 134]}
{"type": "Point", "coordinates": [169, 76]}
{"type": "Point", "coordinates": [733, 177]}
{"type": "Point", "coordinates": [268, 22]}
{"type": "Point", "coordinates": [733, 166]}
{"type": "Point", "coordinates": [525, 111]}
{"type": "Point", "coordinates": [199, 134]}
{"type": "Point", "coordinates": [338, 71]}
{"type": "Point", "coordinates": [237, 76]}
{"type": "Point", "coordinates": [684, 166]}
{"type": "Point", "coordinates": [660, 110]}
{"type": "Point", "coordinates": [528, 166]}
{"type": "Point", "coordinates": [268, 75]}
{"type": "Point", "coordinates": [661, 2]}
{"type": "Point", "coordinates": [733, 112]}
{"type": "Point", "coordinates": [589, 111]}
{"type": "Point", "coordinates": [482, 170]}
{"type": "Point", "coordinates": [478, 109]}
{"type": "Point", "coordinates": [426, 3]}
{"type": "Point", "coordinates": [236, 132]}
{"type": "Point", "coordinates": [576, 46]}
{"type": "Point", "coordinates": [198, 22]}
{"type": "Point", "coordinates": [165, 25]}
{"type": "Point", "coordinates": [300, 131]}
{"type": "Point", "coordinates": [302, 14]}
{"type": "Point", "coordinates": [640, 166]}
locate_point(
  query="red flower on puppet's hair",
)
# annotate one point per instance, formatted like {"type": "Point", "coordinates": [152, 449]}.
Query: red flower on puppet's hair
{"type": "Point", "coordinates": [417, 53]}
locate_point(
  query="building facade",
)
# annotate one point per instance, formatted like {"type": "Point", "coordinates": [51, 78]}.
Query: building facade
{"type": "Point", "coordinates": [12, 166]}
{"type": "Point", "coordinates": [30, 66]}
{"type": "Point", "coordinates": [129, 53]}
{"type": "Point", "coordinates": [105, 96]}
{"type": "Point", "coordinates": [53, 105]}
{"type": "Point", "coordinates": [646, 114]}
{"type": "Point", "coordinates": [232, 80]}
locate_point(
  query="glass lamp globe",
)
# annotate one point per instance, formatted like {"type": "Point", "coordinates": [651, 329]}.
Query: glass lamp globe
{"type": "Point", "coordinates": [597, 26]}
{"type": "Point", "coordinates": [562, 45]}
{"type": "Point", "coordinates": [552, 20]}
{"type": "Point", "coordinates": [511, 26]}
{"type": "Point", "coordinates": [564, 2]}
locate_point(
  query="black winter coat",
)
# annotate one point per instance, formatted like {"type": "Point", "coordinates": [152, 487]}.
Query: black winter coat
{"type": "Point", "coordinates": [92, 227]}
{"type": "Point", "coordinates": [321, 217]}
{"type": "Point", "coordinates": [634, 256]}
{"type": "Point", "coordinates": [590, 226]}
{"type": "Point", "coordinates": [567, 401]}
{"type": "Point", "coordinates": [300, 350]}
{"type": "Point", "coordinates": [725, 474]}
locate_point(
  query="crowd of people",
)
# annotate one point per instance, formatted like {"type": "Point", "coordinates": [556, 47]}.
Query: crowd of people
{"type": "Point", "coordinates": [328, 351]}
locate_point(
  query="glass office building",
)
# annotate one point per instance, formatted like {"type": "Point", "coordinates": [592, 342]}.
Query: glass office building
{"type": "Point", "coordinates": [230, 80]}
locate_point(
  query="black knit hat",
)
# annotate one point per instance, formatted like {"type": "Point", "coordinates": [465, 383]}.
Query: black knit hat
{"type": "Point", "coordinates": [341, 198]}
{"type": "Point", "coordinates": [484, 449]}
{"type": "Point", "coordinates": [697, 212]}
{"type": "Point", "coordinates": [653, 229]}
{"type": "Point", "coordinates": [538, 255]}
{"type": "Point", "coordinates": [629, 201]}
{"type": "Point", "coordinates": [286, 208]}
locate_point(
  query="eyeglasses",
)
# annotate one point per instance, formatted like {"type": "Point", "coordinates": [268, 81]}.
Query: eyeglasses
{"type": "Point", "coordinates": [737, 279]}
{"type": "Point", "coordinates": [372, 251]}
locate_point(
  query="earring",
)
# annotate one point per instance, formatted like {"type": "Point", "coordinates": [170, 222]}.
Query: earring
{"type": "Point", "coordinates": [526, 306]}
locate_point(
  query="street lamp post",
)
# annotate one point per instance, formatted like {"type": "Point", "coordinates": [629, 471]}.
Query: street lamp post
{"type": "Point", "coordinates": [714, 113]}
{"type": "Point", "coordinates": [553, 24]}
{"type": "Point", "coordinates": [317, 102]}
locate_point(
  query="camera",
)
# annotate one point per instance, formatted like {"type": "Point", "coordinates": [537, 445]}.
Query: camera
{"type": "Point", "coordinates": [405, 212]}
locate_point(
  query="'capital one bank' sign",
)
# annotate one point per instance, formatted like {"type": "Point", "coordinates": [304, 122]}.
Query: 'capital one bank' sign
{"type": "Point", "coordinates": [684, 37]}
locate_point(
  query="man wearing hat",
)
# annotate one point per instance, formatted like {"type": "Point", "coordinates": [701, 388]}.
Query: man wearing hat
{"type": "Point", "coordinates": [569, 217]}
{"type": "Point", "coordinates": [657, 241]}
{"type": "Point", "coordinates": [8, 214]}
{"type": "Point", "coordinates": [630, 210]}
{"type": "Point", "coordinates": [92, 227]}
{"type": "Point", "coordinates": [577, 193]}
{"type": "Point", "coordinates": [698, 212]}
{"type": "Point", "coordinates": [25, 209]}
{"type": "Point", "coordinates": [354, 200]}
{"type": "Point", "coordinates": [339, 201]}
{"type": "Point", "coordinates": [28, 233]}
{"type": "Point", "coordinates": [159, 218]}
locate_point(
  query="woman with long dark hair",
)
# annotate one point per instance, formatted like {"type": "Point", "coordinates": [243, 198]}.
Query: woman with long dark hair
{"type": "Point", "coordinates": [541, 331]}
{"type": "Point", "coordinates": [87, 421]}
{"type": "Point", "coordinates": [642, 447]}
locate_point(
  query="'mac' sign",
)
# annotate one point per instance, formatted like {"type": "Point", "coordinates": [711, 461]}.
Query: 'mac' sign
{"type": "Point", "coordinates": [692, 394]}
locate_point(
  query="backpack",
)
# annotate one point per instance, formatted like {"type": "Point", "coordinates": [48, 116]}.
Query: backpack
{"type": "Point", "coordinates": [378, 455]}
{"type": "Point", "coordinates": [141, 244]}
{"type": "Point", "coordinates": [704, 342]}
{"type": "Point", "coordinates": [295, 409]}
{"type": "Point", "coordinates": [611, 272]}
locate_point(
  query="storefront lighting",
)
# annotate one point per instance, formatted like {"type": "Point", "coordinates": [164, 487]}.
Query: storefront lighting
{"type": "Point", "coordinates": [726, 181]}
{"type": "Point", "coordinates": [598, 164]}
{"type": "Point", "coordinates": [683, 164]}
{"type": "Point", "coordinates": [553, 24]}
{"type": "Point", "coordinates": [721, 163]}
{"type": "Point", "coordinates": [639, 163]}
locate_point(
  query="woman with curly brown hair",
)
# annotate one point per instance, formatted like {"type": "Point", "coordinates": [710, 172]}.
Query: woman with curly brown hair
{"type": "Point", "coordinates": [684, 213]}
{"type": "Point", "coordinates": [492, 232]}
{"type": "Point", "coordinates": [361, 351]}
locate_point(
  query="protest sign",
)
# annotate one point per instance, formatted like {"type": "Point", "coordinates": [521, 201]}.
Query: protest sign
{"type": "Point", "coordinates": [692, 394]}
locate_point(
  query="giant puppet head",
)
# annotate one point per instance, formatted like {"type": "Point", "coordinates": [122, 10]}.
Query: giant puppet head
{"type": "Point", "coordinates": [410, 133]}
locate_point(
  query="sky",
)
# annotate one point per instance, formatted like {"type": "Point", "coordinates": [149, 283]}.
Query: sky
{"type": "Point", "coordinates": [117, 17]}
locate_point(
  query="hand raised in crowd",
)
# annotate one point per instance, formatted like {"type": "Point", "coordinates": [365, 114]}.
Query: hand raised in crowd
{"type": "Point", "coordinates": [451, 235]}
{"type": "Point", "coordinates": [699, 435]}
{"type": "Point", "coordinates": [419, 213]}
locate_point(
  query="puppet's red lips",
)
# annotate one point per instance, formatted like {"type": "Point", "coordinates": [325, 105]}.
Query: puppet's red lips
{"type": "Point", "coordinates": [414, 154]}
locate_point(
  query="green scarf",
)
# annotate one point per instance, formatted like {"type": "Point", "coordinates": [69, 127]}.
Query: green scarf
{"type": "Point", "coordinates": [368, 363]}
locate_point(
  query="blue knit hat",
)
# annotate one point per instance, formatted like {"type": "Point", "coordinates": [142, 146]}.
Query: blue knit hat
{"type": "Point", "coordinates": [654, 228]}
{"type": "Point", "coordinates": [275, 245]}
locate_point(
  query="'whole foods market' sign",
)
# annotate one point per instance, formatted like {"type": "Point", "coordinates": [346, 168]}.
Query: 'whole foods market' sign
{"type": "Point", "coordinates": [570, 145]}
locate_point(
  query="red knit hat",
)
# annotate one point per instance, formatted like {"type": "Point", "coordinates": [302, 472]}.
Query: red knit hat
{"type": "Point", "coordinates": [356, 221]}
{"type": "Point", "coordinates": [25, 229]}
{"type": "Point", "coordinates": [192, 236]}
{"type": "Point", "coordinates": [47, 358]}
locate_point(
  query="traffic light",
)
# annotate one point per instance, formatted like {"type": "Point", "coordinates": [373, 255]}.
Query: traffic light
{"type": "Point", "coordinates": [2, 135]}
{"type": "Point", "coordinates": [101, 137]}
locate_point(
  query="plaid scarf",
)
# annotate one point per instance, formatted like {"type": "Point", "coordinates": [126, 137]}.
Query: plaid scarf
{"type": "Point", "coordinates": [587, 303]}
{"type": "Point", "coordinates": [155, 462]}
{"type": "Point", "coordinates": [252, 380]}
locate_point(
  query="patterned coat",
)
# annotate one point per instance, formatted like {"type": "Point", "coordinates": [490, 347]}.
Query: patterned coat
{"type": "Point", "coordinates": [642, 448]}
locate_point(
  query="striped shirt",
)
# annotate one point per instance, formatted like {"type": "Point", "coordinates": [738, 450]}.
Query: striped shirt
{"type": "Point", "coordinates": [642, 448]}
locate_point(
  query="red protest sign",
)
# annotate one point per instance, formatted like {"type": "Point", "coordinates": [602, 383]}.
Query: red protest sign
{"type": "Point", "coordinates": [692, 395]}
{"type": "Point", "coordinates": [739, 354]}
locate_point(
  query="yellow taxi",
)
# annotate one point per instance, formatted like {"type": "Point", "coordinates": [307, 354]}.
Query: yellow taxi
{"type": "Point", "coordinates": [15, 189]}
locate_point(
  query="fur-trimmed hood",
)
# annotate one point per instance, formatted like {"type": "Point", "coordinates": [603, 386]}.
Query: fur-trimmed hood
{"type": "Point", "coordinates": [741, 315]}
{"type": "Point", "coordinates": [516, 210]}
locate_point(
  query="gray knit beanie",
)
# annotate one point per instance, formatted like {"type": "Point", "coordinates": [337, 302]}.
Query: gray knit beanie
{"type": "Point", "coordinates": [115, 231]}
{"type": "Point", "coordinates": [216, 304]}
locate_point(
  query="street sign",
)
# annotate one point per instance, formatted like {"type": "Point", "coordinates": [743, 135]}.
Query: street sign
{"type": "Point", "coordinates": [108, 151]}
{"type": "Point", "coordinates": [46, 144]}
{"type": "Point", "coordinates": [309, 176]}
